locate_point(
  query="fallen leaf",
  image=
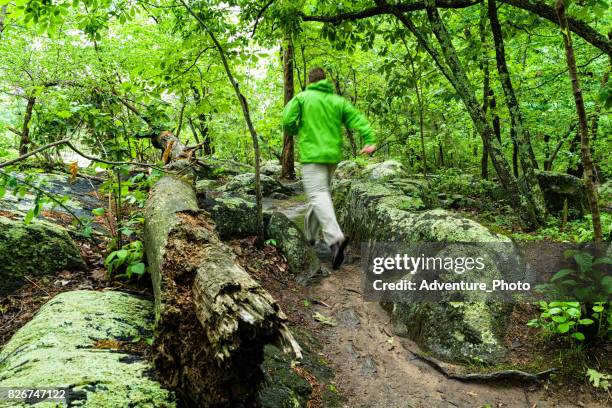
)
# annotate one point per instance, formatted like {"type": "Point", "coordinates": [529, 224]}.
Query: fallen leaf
{"type": "Point", "coordinates": [330, 321]}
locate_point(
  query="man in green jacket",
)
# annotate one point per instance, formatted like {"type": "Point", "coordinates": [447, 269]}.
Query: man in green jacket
{"type": "Point", "coordinates": [316, 115]}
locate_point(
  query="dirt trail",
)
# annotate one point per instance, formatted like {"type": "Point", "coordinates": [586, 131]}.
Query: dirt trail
{"type": "Point", "coordinates": [374, 368]}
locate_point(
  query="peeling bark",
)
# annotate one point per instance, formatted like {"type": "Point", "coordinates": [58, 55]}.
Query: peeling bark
{"type": "Point", "coordinates": [212, 319]}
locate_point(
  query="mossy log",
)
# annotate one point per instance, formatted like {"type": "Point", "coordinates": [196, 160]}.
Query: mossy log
{"type": "Point", "coordinates": [84, 342]}
{"type": "Point", "coordinates": [213, 319]}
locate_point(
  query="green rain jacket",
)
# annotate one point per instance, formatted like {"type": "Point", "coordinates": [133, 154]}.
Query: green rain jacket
{"type": "Point", "coordinates": [316, 115]}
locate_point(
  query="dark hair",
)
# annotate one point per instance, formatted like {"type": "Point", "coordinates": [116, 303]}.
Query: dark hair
{"type": "Point", "coordinates": [315, 75]}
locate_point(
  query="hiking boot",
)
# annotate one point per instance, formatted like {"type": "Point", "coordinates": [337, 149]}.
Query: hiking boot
{"type": "Point", "coordinates": [337, 251]}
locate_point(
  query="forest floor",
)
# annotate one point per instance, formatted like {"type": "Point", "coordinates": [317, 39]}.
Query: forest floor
{"type": "Point", "coordinates": [372, 367]}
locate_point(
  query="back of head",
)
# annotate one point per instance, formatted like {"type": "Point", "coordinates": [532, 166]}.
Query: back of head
{"type": "Point", "coordinates": [315, 75]}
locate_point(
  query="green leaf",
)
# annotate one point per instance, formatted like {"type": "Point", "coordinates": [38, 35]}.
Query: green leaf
{"type": "Point", "coordinates": [563, 328]}
{"type": "Point", "coordinates": [98, 211]}
{"type": "Point", "coordinates": [137, 268]}
{"type": "Point", "coordinates": [562, 273]}
{"type": "Point", "coordinates": [559, 319]}
{"type": "Point", "coordinates": [578, 336]}
{"type": "Point", "coordinates": [585, 322]}
{"type": "Point", "coordinates": [121, 255]}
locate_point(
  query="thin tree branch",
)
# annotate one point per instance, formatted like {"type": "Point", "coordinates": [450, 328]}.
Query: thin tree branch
{"type": "Point", "coordinates": [80, 153]}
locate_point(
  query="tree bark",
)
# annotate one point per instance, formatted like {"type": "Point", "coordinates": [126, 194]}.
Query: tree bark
{"type": "Point", "coordinates": [484, 66]}
{"type": "Point", "coordinates": [287, 157]}
{"type": "Point", "coordinates": [583, 126]}
{"type": "Point", "coordinates": [521, 141]}
{"type": "Point", "coordinates": [25, 141]}
{"type": "Point", "coordinates": [2, 18]}
{"type": "Point", "coordinates": [212, 319]}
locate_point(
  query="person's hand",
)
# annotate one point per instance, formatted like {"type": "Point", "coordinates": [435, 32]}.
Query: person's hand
{"type": "Point", "coordinates": [368, 149]}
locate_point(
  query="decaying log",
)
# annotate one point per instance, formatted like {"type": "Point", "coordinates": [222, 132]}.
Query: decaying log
{"type": "Point", "coordinates": [213, 319]}
{"type": "Point", "coordinates": [170, 145]}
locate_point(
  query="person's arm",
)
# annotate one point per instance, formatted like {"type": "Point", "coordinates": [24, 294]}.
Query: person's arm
{"type": "Point", "coordinates": [291, 116]}
{"type": "Point", "coordinates": [354, 120]}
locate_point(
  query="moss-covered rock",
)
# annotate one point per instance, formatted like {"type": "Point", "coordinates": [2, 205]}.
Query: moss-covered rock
{"type": "Point", "coordinates": [284, 387]}
{"type": "Point", "coordinates": [558, 187]}
{"type": "Point", "coordinates": [204, 185]}
{"type": "Point", "coordinates": [347, 169]}
{"type": "Point", "coordinates": [234, 214]}
{"type": "Point", "coordinates": [245, 184]}
{"type": "Point", "coordinates": [384, 170]}
{"type": "Point", "coordinates": [36, 249]}
{"type": "Point", "coordinates": [303, 262]}
{"type": "Point", "coordinates": [271, 168]}
{"type": "Point", "coordinates": [459, 331]}
{"type": "Point", "coordinates": [74, 342]}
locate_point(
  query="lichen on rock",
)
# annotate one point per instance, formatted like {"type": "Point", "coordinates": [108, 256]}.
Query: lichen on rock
{"type": "Point", "coordinates": [245, 184]}
{"type": "Point", "coordinates": [60, 348]}
{"type": "Point", "coordinates": [234, 214]}
{"type": "Point", "coordinates": [302, 260]}
{"type": "Point", "coordinates": [384, 170]}
{"type": "Point", "coordinates": [36, 249]}
{"type": "Point", "coordinates": [374, 211]}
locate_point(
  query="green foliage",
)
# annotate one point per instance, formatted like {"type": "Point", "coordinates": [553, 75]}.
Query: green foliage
{"type": "Point", "coordinates": [599, 380]}
{"type": "Point", "coordinates": [127, 261]}
{"type": "Point", "coordinates": [562, 318]}
{"type": "Point", "coordinates": [569, 320]}
{"type": "Point", "coordinates": [271, 242]}
{"type": "Point", "coordinates": [578, 231]}
{"type": "Point", "coordinates": [589, 282]}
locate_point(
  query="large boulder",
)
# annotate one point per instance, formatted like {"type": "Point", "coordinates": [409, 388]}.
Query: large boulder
{"type": "Point", "coordinates": [78, 191]}
{"type": "Point", "coordinates": [605, 194]}
{"type": "Point", "coordinates": [235, 215]}
{"type": "Point", "coordinates": [35, 249]}
{"type": "Point", "coordinates": [302, 260]}
{"type": "Point", "coordinates": [271, 168]}
{"type": "Point", "coordinates": [82, 341]}
{"type": "Point", "coordinates": [470, 330]}
{"type": "Point", "coordinates": [558, 187]}
{"type": "Point", "coordinates": [245, 184]}
{"type": "Point", "coordinates": [347, 169]}
{"type": "Point", "coordinates": [384, 170]}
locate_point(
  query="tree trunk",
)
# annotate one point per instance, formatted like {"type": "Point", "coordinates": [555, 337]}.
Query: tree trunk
{"type": "Point", "coordinates": [24, 143]}
{"type": "Point", "coordinates": [170, 145]}
{"type": "Point", "coordinates": [583, 127]}
{"type": "Point", "coordinates": [287, 157]}
{"type": "Point", "coordinates": [521, 141]}
{"type": "Point", "coordinates": [212, 319]}
{"type": "Point", "coordinates": [2, 18]}
{"type": "Point", "coordinates": [455, 73]}
{"type": "Point", "coordinates": [484, 65]}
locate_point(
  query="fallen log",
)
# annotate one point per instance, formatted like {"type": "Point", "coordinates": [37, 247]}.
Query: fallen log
{"type": "Point", "coordinates": [212, 318]}
{"type": "Point", "coordinates": [86, 344]}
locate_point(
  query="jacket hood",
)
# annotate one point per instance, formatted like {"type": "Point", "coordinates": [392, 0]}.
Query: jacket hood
{"type": "Point", "coordinates": [324, 85]}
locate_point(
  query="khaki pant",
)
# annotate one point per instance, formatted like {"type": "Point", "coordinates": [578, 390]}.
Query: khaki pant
{"type": "Point", "coordinates": [317, 179]}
